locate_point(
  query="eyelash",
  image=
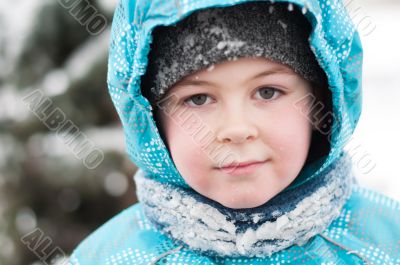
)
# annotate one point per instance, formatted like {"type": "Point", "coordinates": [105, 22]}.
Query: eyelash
{"type": "Point", "coordinates": [275, 90]}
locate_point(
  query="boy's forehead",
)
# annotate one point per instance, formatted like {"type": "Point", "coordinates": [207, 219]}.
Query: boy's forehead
{"type": "Point", "coordinates": [249, 68]}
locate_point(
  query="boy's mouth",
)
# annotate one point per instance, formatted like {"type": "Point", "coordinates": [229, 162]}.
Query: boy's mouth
{"type": "Point", "coordinates": [241, 164]}
{"type": "Point", "coordinates": [241, 168]}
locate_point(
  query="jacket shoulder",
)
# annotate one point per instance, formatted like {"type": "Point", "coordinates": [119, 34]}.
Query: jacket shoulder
{"type": "Point", "coordinates": [368, 208]}
{"type": "Point", "coordinates": [369, 223]}
{"type": "Point", "coordinates": [128, 237]}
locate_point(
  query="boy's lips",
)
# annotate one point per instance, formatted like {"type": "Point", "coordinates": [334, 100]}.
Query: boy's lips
{"type": "Point", "coordinates": [242, 168]}
{"type": "Point", "coordinates": [241, 164]}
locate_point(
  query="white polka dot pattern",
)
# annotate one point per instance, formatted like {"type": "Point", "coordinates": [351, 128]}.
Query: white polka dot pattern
{"type": "Point", "coordinates": [129, 238]}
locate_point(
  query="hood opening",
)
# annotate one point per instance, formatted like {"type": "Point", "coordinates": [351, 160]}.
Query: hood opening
{"type": "Point", "coordinates": [320, 143]}
{"type": "Point", "coordinates": [321, 138]}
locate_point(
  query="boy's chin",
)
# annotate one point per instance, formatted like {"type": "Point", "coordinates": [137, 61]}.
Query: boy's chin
{"type": "Point", "coordinates": [244, 203]}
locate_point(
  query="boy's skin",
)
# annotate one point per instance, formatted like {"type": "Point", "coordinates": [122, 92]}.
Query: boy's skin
{"type": "Point", "coordinates": [246, 115]}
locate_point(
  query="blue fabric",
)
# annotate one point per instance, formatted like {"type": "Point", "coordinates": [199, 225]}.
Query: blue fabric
{"type": "Point", "coordinates": [368, 223]}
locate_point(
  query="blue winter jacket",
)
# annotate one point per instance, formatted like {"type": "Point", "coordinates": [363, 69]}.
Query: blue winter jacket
{"type": "Point", "coordinates": [366, 230]}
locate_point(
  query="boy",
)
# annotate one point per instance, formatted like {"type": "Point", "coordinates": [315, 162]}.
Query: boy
{"type": "Point", "coordinates": [237, 165]}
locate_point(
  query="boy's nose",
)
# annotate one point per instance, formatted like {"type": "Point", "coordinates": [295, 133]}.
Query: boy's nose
{"type": "Point", "coordinates": [237, 131]}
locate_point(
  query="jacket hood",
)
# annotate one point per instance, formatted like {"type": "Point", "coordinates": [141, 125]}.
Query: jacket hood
{"type": "Point", "coordinates": [333, 39]}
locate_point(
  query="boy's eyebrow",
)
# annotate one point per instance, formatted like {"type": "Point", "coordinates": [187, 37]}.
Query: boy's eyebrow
{"type": "Point", "coordinates": [194, 83]}
{"type": "Point", "coordinates": [276, 70]}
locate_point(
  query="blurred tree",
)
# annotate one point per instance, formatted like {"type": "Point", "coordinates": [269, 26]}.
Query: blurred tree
{"type": "Point", "coordinates": [42, 182]}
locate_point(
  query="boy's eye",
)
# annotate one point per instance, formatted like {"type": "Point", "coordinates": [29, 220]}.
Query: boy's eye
{"type": "Point", "coordinates": [268, 92]}
{"type": "Point", "coordinates": [197, 99]}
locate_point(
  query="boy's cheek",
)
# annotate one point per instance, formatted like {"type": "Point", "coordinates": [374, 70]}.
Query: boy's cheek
{"type": "Point", "coordinates": [289, 135]}
{"type": "Point", "coordinates": [192, 165]}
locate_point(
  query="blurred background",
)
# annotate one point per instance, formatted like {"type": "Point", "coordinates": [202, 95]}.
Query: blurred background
{"type": "Point", "coordinates": [58, 54]}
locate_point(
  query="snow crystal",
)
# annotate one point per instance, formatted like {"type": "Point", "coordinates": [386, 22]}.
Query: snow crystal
{"type": "Point", "coordinates": [271, 9]}
{"type": "Point", "coordinates": [230, 46]}
{"type": "Point", "coordinates": [189, 41]}
{"type": "Point", "coordinates": [256, 218]}
{"type": "Point", "coordinates": [276, 213]}
{"type": "Point", "coordinates": [221, 45]}
{"type": "Point", "coordinates": [216, 31]}
{"type": "Point", "coordinates": [282, 24]}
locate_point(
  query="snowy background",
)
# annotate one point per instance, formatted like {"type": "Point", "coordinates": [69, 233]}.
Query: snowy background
{"type": "Point", "coordinates": [378, 131]}
{"type": "Point", "coordinates": [43, 184]}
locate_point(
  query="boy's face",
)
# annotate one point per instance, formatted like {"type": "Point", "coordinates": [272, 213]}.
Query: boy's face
{"type": "Point", "coordinates": [252, 117]}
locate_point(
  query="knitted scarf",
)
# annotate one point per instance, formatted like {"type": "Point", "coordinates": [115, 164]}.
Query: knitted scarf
{"type": "Point", "coordinates": [205, 226]}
